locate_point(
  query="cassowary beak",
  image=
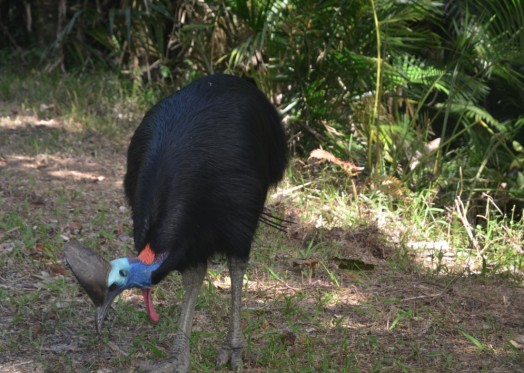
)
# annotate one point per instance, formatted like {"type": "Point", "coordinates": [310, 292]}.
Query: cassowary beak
{"type": "Point", "coordinates": [91, 271]}
{"type": "Point", "coordinates": [101, 311]}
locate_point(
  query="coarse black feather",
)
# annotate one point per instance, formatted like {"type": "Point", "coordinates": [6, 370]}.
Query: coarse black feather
{"type": "Point", "coordinates": [274, 221]}
{"type": "Point", "coordinates": [199, 168]}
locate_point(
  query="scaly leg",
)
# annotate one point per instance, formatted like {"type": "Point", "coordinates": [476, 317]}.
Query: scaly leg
{"type": "Point", "coordinates": [235, 342]}
{"type": "Point", "coordinates": [192, 280]}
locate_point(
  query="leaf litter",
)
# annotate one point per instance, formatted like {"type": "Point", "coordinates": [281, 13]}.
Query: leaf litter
{"type": "Point", "coordinates": [312, 312]}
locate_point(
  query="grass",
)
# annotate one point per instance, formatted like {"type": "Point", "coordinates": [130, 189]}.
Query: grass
{"type": "Point", "coordinates": [428, 301]}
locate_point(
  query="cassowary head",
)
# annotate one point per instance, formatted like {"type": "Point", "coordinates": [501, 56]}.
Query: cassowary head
{"type": "Point", "coordinates": [103, 281]}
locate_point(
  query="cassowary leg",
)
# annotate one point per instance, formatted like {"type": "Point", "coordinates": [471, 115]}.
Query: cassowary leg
{"type": "Point", "coordinates": [192, 280]}
{"type": "Point", "coordinates": [235, 342]}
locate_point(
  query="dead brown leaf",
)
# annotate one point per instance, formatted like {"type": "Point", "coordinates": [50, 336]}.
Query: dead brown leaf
{"type": "Point", "coordinates": [324, 155]}
{"type": "Point", "coordinates": [304, 263]}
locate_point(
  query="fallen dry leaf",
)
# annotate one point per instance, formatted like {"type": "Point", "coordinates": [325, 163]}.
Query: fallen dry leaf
{"type": "Point", "coordinates": [324, 155]}
{"type": "Point", "coordinates": [304, 263]}
{"type": "Point", "coordinates": [518, 342]}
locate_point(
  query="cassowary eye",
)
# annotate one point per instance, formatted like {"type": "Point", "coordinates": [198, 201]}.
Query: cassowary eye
{"type": "Point", "coordinates": [175, 147]}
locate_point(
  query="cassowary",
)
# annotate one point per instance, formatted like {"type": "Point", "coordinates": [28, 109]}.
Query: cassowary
{"type": "Point", "coordinates": [198, 171]}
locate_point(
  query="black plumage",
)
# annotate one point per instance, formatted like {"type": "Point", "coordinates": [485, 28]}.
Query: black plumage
{"type": "Point", "coordinates": [198, 172]}
{"type": "Point", "coordinates": [199, 168]}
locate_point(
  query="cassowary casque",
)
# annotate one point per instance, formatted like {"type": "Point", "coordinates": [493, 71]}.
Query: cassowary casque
{"type": "Point", "coordinates": [198, 170]}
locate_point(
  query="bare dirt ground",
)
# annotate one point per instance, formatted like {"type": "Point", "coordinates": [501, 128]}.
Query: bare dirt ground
{"type": "Point", "coordinates": [304, 312]}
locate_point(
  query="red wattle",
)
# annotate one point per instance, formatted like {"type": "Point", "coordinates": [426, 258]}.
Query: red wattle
{"type": "Point", "coordinates": [153, 315]}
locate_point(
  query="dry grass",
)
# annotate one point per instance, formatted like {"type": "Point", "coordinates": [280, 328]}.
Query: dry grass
{"type": "Point", "coordinates": [303, 313]}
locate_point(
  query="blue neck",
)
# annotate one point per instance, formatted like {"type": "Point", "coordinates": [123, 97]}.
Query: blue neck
{"type": "Point", "coordinates": [140, 275]}
{"type": "Point", "coordinates": [129, 273]}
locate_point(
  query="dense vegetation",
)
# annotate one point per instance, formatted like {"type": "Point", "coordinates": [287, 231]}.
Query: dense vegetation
{"type": "Point", "coordinates": [406, 186]}
{"type": "Point", "coordinates": [410, 97]}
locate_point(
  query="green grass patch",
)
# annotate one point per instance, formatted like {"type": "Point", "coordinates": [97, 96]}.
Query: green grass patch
{"type": "Point", "coordinates": [437, 292]}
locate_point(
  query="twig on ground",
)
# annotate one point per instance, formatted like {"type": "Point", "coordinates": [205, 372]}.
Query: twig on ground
{"type": "Point", "coordinates": [8, 232]}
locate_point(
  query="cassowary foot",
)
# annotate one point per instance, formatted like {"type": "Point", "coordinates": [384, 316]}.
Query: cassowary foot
{"type": "Point", "coordinates": [232, 352]}
{"type": "Point", "coordinates": [178, 363]}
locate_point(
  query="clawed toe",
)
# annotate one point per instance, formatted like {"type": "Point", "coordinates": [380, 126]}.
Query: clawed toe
{"type": "Point", "coordinates": [233, 356]}
{"type": "Point", "coordinates": [232, 351]}
{"type": "Point", "coordinates": [178, 363]}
